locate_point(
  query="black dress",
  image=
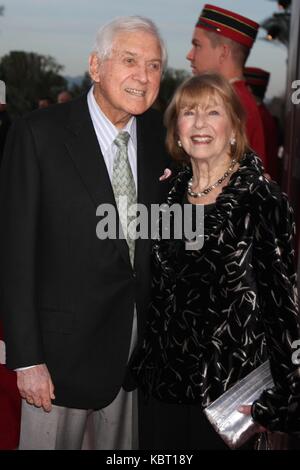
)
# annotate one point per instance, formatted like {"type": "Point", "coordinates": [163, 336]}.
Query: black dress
{"type": "Point", "coordinates": [177, 427]}
{"type": "Point", "coordinates": [220, 311]}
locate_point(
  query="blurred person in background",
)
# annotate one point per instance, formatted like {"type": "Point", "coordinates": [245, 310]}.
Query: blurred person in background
{"type": "Point", "coordinates": [257, 79]}
{"type": "Point", "coordinates": [44, 102]}
{"type": "Point", "coordinates": [64, 96]}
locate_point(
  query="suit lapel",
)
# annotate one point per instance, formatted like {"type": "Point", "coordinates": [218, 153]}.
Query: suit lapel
{"type": "Point", "coordinates": [84, 149]}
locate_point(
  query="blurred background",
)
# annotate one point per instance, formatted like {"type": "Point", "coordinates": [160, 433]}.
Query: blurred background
{"type": "Point", "coordinates": [53, 39]}
{"type": "Point", "coordinates": [45, 44]}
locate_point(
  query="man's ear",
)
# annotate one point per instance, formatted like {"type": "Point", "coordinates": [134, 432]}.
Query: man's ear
{"type": "Point", "coordinates": [224, 52]}
{"type": "Point", "coordinates": [94, 67]}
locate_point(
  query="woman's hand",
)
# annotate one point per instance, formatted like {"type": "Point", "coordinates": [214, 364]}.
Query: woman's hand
{"type": "Point", "coordinates": [246, 410]}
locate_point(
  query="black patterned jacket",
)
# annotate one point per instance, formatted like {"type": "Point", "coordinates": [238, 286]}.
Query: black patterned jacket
{"type": "Point", "coordinates": [219, 312]}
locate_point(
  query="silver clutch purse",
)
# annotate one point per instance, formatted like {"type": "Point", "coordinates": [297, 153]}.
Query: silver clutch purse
{"type": "Point", "coordinates": [234, 427]}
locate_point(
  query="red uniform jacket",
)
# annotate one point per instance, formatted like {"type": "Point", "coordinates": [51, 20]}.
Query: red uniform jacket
{"type": "Point", "coordinates": [254, 127]}
{"type": "Point", "coordinates": [271, 140]}
{"type": "Point", "coordinates": [10, 407]}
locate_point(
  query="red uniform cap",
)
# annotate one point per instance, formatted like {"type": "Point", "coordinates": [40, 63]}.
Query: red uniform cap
{"type": "Point", "coordinates": [256, 77]}
{"type": "Point", "coordinates": [228, 24]}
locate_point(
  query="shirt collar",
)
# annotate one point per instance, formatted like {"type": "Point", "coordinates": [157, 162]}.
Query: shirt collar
{"type": "Point", "coordinates": [105, 129]}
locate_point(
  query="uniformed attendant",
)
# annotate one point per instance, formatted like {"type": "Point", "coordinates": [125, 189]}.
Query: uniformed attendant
{"type": "Point", "coordinates": [221, 43]}
{"type": "Point", "coordinates": [257, 79]}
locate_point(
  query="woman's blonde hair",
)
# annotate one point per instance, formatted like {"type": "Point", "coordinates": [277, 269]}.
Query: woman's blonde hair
{"type": "Point", "coordinates": [201, 89]}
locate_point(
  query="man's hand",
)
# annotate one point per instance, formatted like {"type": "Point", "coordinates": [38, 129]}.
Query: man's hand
{"type": "Point", "coordinates": [36, 387]}
{"type": "Point", "coordinates": [246, 410]}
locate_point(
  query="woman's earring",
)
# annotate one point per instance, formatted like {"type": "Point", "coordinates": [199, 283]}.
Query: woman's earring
{"type": "Point", "coordinates": [179, 143]}
{"type": "Point", "coordinates": [232, 141]}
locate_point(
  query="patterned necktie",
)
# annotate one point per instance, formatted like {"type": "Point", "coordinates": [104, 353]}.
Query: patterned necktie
{"type": "Point", "coordinates": [124, 189]}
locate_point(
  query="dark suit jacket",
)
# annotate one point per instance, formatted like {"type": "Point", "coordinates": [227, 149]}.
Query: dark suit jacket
{"type": "Point", "coordinates": [4, 127]}
{"type": "Point", "coordinates": [68, 297]}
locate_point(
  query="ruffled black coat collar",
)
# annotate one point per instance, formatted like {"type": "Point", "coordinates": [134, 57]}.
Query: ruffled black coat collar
{"type": "Point", "coordinates": [241, 183]}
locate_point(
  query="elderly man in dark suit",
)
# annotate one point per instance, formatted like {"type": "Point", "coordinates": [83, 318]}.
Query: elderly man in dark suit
{"type": "Point", "coordinates": [73, 304]}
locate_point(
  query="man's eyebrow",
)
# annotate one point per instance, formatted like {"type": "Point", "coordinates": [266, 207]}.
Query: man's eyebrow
{"type": "Point", "coordinates": [134, 54]}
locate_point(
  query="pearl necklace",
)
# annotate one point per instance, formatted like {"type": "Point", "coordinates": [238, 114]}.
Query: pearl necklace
{"type": "Point", "coordinates": [214, 185]}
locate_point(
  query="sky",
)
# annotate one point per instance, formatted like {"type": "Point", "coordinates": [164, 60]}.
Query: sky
{"type": "Point", "coordinates": [65, 29]}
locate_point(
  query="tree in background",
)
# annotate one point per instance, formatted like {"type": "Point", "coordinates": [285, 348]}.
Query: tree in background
{"type": "Point", "coordinates": [28, 77]}
{"type": "Point", "coordinates": [170, 81]}
{"type": "Point", "coordinates": [77, 89]}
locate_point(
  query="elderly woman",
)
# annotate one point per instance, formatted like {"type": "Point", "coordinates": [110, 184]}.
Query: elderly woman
{"type": "Point", "coordinates": [219, 311]}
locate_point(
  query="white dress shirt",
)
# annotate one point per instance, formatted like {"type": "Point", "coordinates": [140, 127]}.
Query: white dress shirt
{"type": "Point", "coordinates": [106, 133]}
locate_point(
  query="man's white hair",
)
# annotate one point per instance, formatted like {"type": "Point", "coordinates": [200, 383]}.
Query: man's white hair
{"type": "Point", "coordinates": [107, 33]}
